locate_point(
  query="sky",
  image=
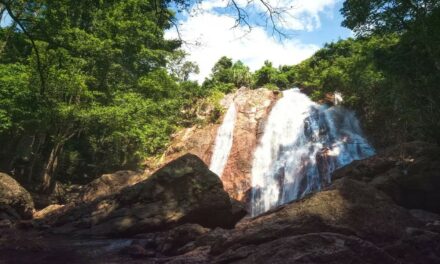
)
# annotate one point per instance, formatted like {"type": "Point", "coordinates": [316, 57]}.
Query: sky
{"type": "Point", "coordinates": [208, 33]}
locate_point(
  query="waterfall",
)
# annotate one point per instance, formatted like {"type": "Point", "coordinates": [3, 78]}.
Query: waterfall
{"type": "Point", "coordinates": [338, 98]}
{"type": "Point", "coordinates": [223, 141]}
{"type": "Point", "coordinates": [302, 143]}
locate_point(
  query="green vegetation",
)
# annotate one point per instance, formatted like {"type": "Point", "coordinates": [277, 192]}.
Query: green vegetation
{"type": "Point", "coordinates": [84, 87]}
{"type": "Point", "coordinates": [88, 87]}
{"type": "Point", "coordinates": [227, 76]}
{"type": "Point", "coordinates": [390, 74]}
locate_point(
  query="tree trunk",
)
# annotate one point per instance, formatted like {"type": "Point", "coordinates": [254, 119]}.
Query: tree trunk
{"type": "Point", "coordinates": [36, 150]}
{"type": "Point", "coordinates": [50, 168]}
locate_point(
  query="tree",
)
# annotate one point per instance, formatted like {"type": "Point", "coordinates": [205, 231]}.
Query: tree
{"type": "Point", "coordinates": [265, 75]}
{"type": "Point", "coordinates": [93, 71]}
{"type": "Point", "coordinates": [403, 16]}
{"type": "Point", "coordinates": [411, 65]}
{"type": "Point", "coordinates": [241, 75]}
{"type": "Point", "coordinates": [385, 16]}
{"type": "Point", "coordinates": [227, 75]}
{"type": "Point", "coordinates": [180, 68]}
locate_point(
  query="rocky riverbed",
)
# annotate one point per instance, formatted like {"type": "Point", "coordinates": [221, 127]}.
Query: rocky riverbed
{"type": "Point", "coordinates": [181, 214]}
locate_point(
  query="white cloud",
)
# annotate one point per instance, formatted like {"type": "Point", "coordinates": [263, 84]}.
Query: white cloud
{"type": "Point", "coordinates": [306, 13]}
{"type": "Point", "coordinates": [216, 36]}
{"type": "Point", "coordinates": [296, 14]}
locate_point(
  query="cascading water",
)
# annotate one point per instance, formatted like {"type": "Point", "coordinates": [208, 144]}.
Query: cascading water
{"type": "Point", "coordinates": [303, 142]}
{"type": "Point", "coordinates": [223, 141]}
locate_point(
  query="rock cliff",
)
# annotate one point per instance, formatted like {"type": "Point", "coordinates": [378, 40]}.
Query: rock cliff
{"type": "Point", "coordinates": [252, 106]}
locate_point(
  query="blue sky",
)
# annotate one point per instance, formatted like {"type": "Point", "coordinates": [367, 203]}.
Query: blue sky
{"type": "Point", "coordinates": [6, 20]}
{"type": "Point", "coordinates": [207, 29]}
{"type": "Point", "coordinates": [330, 30]}
{"type": "Point", "coordinates": [208, 32]}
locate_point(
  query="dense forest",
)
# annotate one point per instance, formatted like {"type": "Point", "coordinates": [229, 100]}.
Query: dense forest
{"type": "Point", "coordinates": [88, 87]}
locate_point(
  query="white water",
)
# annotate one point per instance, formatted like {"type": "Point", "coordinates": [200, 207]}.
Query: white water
{"type": "Point", "coordinates": [223, 141]}
{"type": "Point", "coordinates": [302, 144]}
{"type": "Point", "coordinates": [338, 98]}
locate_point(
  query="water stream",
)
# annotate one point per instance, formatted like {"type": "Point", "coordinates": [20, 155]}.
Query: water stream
{"type": "Point", "coordinates": [303, 142]}
{"type": "Point", "coordinates": [223, 141]}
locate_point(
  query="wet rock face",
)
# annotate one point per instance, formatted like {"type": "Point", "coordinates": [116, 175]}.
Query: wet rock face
{"type": "Point", "coordinates": [15, 202]}
{"type": "Point", "coordinates": [183, 191]}
{"type": "Point", "coordinates": [253, 107]}
{"type": "Point", "coordinates": [409, 174]}
{"type": "Point", "coordinates": [196, 140]}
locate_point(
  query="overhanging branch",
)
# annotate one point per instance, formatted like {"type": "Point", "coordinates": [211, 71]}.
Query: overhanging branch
{"type": "Point", "coordinates": [17, 20]}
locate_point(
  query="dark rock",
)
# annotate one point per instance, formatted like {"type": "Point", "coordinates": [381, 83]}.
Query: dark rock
{"type": "Point", "coordinates": [199, 255]}
{"type": "Point", "coordinates": [6, 223]}
{"type": "Point", "coordinates": [408, 173]}
{"type": "Point", "coordinates": [180, 236]}
{"type": "Point", "coordinates": [417, 246]}
{"type": "Point", "coordinates": [136, 251]}
{"type": "Point", "coordinates": [15, 201]}
{"type": "Point", "coordinates": [183, 191]}
{"type": "Point", "coordinates": [430, 220]}
{"type": "Point", "coordinates": [424, 216]}
{"type": "Point", "coordinates": [61, 194]}
{"type": "Point", "coordinates": [109, 184]}
{"type": "Point", "coordinates": [238, 210]}
{"type": "Point", "coordinates": [308, 248]}
{"type": "Point", "coordinates": [347, 207]}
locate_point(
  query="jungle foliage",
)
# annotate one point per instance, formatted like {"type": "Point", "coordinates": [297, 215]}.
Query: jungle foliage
{"type": "Point", "coordinates": [85, 89]}
{"type": "Point", "coordinates": [88, 87]}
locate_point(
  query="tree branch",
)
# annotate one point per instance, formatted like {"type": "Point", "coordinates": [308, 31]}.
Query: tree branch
{"type": "Point", "coordinates": [16, 19]}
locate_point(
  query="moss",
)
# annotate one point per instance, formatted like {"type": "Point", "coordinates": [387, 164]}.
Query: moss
{"type": "Point", "coordinates": [271, 86]}
{"type": "Point", "coordinates": [217, 109]}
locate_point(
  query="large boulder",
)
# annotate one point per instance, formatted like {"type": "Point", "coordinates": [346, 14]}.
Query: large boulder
{"type": "Point", "coordinates": [347, 207]}
{"type": "Point", "coordinates": [408, 173]}
{"type": "Point", "coordinates": [15, 202]}
{"type": "Point", "coordinates": [348, 222]}
{"type": "Point", "coordinates": [109, 184]}
{"type": "Point", "coordinates": [309, 248]}
{"type": "Point", "coordinates": [183, 191]}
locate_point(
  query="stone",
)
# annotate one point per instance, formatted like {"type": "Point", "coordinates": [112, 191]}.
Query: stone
{"type": "Point", "coordinates": [408, 173]}
{"type": "Point", "coordinates": [47, 211]}
{"type": "Point", "coordinates": [180, 236]}
{"type": "Point", "coordinates": [308, 248]}
{"type": "Point", "coordinates": [136, 251]}
{"type": "Point", "coordinates": [416, 246]}
{"type": "Point", "coordinates": [347, 207]}
{"type": "Point", "coordinates": [183, 191]}
{"type": "Point", "coordinates": [14, 199]}
{"type": "Point", "coordinates": [109, 184]}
